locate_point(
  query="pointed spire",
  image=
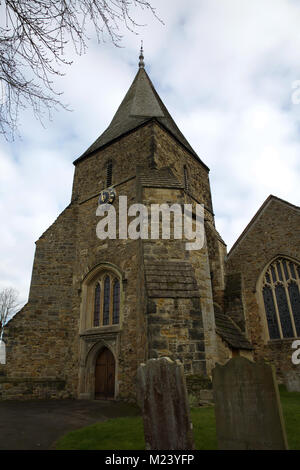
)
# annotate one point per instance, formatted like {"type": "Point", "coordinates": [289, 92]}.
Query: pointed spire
{"type": "Point", "coordinates": [140, 105]}
{"type": "Point", "coordinates": [141, 62]}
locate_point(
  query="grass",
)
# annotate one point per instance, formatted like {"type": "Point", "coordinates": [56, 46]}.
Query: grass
{"type": "Point", "coordinates": [127, 433]}
{"type": "Point", "coordinates": [290, 402]}
{"type": "Point", "coordinates": [204, 427]}
{"type": "Point", "coordinates": [117, 433]}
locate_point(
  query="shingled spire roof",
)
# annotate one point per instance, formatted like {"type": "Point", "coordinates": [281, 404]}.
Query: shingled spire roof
{"type": "Point", "coordinates": [140, 105]}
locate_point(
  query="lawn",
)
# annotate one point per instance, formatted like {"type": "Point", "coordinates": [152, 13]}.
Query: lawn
{"type": "Point", "coordinates": [127, 433]}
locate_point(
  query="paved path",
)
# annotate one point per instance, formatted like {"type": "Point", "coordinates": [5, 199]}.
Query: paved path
{"type": "Point", "coordinates": [27, 425]}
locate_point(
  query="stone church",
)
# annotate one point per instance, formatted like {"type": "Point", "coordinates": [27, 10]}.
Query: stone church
{"type": "Point", "coordinates": [98, 308]}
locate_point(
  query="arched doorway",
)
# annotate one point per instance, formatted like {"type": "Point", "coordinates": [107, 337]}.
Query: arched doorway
{"type": "Point", "coordinates": [105, 375]}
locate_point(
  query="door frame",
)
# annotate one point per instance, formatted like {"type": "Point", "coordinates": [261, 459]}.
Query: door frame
{"type": "Point", "coordinates": [100, 353]}
{"type": "Point", "coordinates": [89, 353]}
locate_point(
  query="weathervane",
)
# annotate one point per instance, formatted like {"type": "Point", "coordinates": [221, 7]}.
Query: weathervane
{"type": "Point", "coordinates": [141, 62]}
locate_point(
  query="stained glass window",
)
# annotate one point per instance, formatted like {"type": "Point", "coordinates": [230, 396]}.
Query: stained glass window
{"type": "Point", "coordinates": [97, 305]}
{"type": "Point", "coordinates": [293, 272]}
{"type": "Point", "coordinates": [273, 273]}
{"type": "Point", "coordinates": [271, 313]}
{"type": "Point", "coordinates": [284, 313]}
{"type": "Point", "coordinates": [279, 271]}
{"type": "Point", "coordinates": [285, 270]}
{"type": "Point", "coordinates": [281, 295]}
{"type": "Point", "coordinates": [295, 304]}
{"type": "Point", "coordinates": [116, 302]}
{"type": "Point", "coordinates": [106, 300]}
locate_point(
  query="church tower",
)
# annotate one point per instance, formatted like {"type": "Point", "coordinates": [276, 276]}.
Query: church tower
{"type": "Point", "coordinates": [98, 308]}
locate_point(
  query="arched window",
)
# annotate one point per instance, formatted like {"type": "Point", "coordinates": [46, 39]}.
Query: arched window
{"type": "Point", "coordinates": [185, 175]}
{"type": "Point", "coordinates": [281, 296]}
{"type": "Point", "coordinates": [109, 173]}
{"type": "Point", "coordinates": [116, 302]}
{"type": "Point", "coordinates": [107, 300]}
{"type": "Point", "coordinates": [97, 305]}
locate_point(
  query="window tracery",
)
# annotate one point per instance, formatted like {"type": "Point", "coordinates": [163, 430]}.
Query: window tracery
{"type": "Point", "coordinates": [281, 296]}
{"type": "Point", "coordinates": [106, 300]}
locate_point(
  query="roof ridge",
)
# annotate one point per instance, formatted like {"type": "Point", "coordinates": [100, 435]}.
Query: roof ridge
{"type": "Point", "coordinates": [256, 216]}
{"type": "Point", "coordinates": [140, 104]}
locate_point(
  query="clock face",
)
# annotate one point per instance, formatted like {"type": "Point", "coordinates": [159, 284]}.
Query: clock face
{"type": "Point", "coordinates": [107, 196]}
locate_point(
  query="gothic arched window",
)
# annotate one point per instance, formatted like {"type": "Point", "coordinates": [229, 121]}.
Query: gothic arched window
{"type": "Point", "coordinates": [185, 175]}
{"type": "Point", "coordinates": [281, 296]}
{"type": "Point", "coordinates": [107, 300]}
{"type": "Point", "coordinates": [116, 302]}
{"type": "Point", "coordinates": [97, 304]}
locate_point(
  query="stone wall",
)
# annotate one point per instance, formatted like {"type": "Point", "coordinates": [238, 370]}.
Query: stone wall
{"type": "Point", "coordinates": [40, 338]}
{"type": "Point", "coordinates": [126, 153]}
{"type": "Point", "coordinates": [275, 231]}
{"type": "Point", "coordinates": [210, 261]}
{"type": "Point", "coordinates": [32, 388]}
{"type": "Point", "coordinates": [46, 339]}
{"type": "Point", "coordinates": [217, 252]}
{"type": "Point", "coordinates": [174, 317]}
{"type": "Point", "coordinates": [169, 153]}
{"type": "Point", "coordinates": [234, 304]}
{"type": "Point", "coordinates": [43, 338]}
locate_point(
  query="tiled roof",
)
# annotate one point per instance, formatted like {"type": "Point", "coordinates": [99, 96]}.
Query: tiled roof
{"type": "Point", "coordinates": [162, 178]}
{"type": "Point", "coordinates": [230, 333]}
{"type": "Point", "coordinates": [141, 104]}
{"type": "Point", "coordinates": [173, 279]}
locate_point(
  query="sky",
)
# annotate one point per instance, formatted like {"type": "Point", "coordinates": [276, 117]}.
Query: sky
{"type": "Point", "coordinates": [227, 71]}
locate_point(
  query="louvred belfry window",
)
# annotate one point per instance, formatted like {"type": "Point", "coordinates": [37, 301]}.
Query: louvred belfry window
{"type": "Point", "coordinates": [107, 300]}
{"type": "Point", "coordinates": [186, 181]}
{"type": "Point", "coordinates": [109, 168]}
{"type": "Point", "coordinates": [281, 295]}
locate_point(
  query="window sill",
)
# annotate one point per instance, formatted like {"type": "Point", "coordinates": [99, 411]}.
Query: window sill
{"type": "Point", "coordinates": [101, 329]}
{"type": "Point", "coordinates": [282, 340]}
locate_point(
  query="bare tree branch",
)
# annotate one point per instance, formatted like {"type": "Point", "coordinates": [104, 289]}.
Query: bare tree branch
{"type": "Point", "coordinates": [8, 306]}
{"type": "Point", "coordinates": [33, 37]}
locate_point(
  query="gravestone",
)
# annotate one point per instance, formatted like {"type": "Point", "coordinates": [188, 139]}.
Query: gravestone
{"type": "Point", "coordinates": [292, 380]}
{"type": "Point", "coordinates": [247, 406]}
{"type": "Point", "coordinates": [163, 398]}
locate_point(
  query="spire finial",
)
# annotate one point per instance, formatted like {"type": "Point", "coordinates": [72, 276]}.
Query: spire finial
{"type": "Point", "coordinates": [141, 62]}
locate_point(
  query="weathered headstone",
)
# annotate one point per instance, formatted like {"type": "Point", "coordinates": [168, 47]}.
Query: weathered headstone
{"type": "Point", "coordinates": [292, 380]}
{"type": "Point", "coordinates": [163, 398]}
{"type": "Point", "coordinates": [247, 406]}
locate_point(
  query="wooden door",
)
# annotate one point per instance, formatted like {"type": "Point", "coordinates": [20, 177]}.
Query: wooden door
{"type": "Point", "coordinates": [105, 375]}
